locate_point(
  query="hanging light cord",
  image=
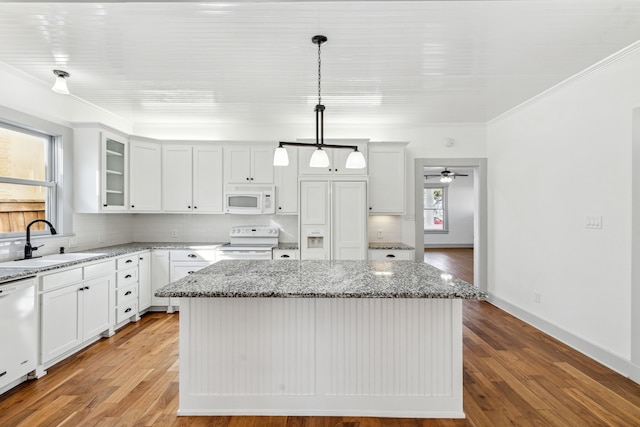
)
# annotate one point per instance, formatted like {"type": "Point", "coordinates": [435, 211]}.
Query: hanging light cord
{"type": "Point", "coordinates": [319, 74]}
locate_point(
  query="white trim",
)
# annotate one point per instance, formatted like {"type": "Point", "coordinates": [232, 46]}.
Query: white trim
{"type": "Point", "coordinates": [568, 81]}
{"type": "Point", "coordinates": [599, 354]}
{"type": "Point", "coordinates": [322, 413]}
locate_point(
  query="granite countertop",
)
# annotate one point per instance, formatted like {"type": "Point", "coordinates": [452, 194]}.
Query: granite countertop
{"type": "Point", "coordinates": [320, 279]}
{"type": "Point", "coordinates": [391, 246]}
{"type": "Point", "coordinates": [10, 274]}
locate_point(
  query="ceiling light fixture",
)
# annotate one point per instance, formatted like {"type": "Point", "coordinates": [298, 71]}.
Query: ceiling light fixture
{"type": "Point", "coordinates": [319, 159]}
{"type": "Point", "coordinates": [60, 85]}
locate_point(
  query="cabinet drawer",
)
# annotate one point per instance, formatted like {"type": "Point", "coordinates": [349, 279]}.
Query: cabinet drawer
{"type": "Point", "coordinates": [127, 278]}
{"type": "Point", "coordinates": [101, 269]}
{"type": "Point", "coordinates": [128, 262]}
{"type": "Point", "coordinates": [193, 255]}
{"type": "Point", "coordinates": [129, 293]}
{"type": "Point", "coordinates": [63, 278]}
{"type": "Point", "coordinates": [125, 311]}
{"type": "Point", "coordinates": [284, 254]}
{"type": "Point", "coordinates": [380, 254]}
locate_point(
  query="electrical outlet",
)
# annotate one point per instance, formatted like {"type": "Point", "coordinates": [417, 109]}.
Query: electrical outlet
{"type": "Point", "coordinates": [73, 242]}
{"type": "Point", "coordinates": [174, 233]}
{"type": "Point", "coordinates": [380, 233]}
{"type": "Point", "coordinates": [100, 238]}
{"type": "Point", "coordinates": [536, 296]}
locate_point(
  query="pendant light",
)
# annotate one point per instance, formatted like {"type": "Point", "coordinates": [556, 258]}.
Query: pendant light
{"type": "Point", "coordinates": [319, 159]}
{"type": "Point", "coordinates": [60, 85]}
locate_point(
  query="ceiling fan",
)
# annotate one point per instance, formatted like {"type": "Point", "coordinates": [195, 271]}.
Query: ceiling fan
{"type": "Point", "coordinates": [446, 175]}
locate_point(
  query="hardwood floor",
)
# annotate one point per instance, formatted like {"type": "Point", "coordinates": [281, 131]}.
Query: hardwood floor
{"type": "Point", "coordinates": [456, 261]}
{"type": "Point", "coordinates": [513, 375]}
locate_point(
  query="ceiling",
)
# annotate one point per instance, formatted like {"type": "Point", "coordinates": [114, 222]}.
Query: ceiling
{"type": "Point", "coordinates": [392, 62]}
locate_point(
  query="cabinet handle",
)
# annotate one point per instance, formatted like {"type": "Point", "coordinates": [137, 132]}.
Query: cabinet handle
{"type": "Point", "coordinates": [335, 170]}
{"type": "Point", "coordinates": [329, 169]}
{"type": "Point", "coordinates": [285, 256]}
{"type": "Point", "coordinates": [391, 256]}
{"type": "Point", "coordinates": [190, 272]}
{"type": "Point", "coordinates": [141, 258]}
{"type": "Point", "coordinates": [189, 207]}
{"type": "Point", "coordinates": [370, 208]}
{"type": "Point", "coordinates": [127, 293]}
{"type": "Point", "coordinates": [129, 261]}
{"type": "Point", "coordinates": [81, 289]}
{"type": "Point", "coordinates": [105, 205]}
{"type": "Point", "coordinates": [247, 179]}
{"type": "Point", "coordinates": [195, 207]}
{"type": "Point", "coordinates": [192, 256]}
{"type": "Point", "coordinates": [133, 206]}
{"type": "Point", "coordinates": [251, 179]}
{"type": "Point", "coordinates": [128, 276]}
{"type": "Point", "coordinates": [127, 310]}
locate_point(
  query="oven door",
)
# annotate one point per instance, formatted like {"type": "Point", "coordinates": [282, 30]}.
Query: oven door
{"type": "Point", "coordinates": [243, 254]}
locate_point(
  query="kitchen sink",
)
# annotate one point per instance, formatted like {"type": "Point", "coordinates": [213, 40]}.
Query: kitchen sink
{"type": "Point", "coordinates": [48, 260]}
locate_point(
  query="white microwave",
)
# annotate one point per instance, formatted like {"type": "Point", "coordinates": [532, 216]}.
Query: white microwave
{"type": "Point", "coordinates": [249, 199]}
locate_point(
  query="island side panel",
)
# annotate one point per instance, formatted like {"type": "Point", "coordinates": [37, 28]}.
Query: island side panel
{"type": "Point", "coordinates": [329, 356]}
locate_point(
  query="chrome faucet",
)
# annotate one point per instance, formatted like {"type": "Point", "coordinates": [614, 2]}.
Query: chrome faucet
{"type": "Point", "coordinates": [28, 249]}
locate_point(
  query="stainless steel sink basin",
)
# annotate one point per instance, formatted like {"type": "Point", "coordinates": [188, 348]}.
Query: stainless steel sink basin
{"type": "Point", "coordinates": [49, 260]}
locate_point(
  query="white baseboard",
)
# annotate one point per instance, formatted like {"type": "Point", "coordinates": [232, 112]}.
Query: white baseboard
{"type": "Point", "coordinates": [605, 357]}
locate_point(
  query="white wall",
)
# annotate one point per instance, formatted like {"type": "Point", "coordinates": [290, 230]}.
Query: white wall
{"type": "Point", "coordinates": [552, 162]}
{"type": "Point", "coordinates": [206, 228]}
{"type": "Point", "coordinates": [460, 195]}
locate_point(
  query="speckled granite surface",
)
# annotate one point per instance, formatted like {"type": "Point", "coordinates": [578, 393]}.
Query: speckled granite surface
{"type": "Point", "coordinates": [9, 274]}
{"type": "Point", "coordinates": [321, 279]}
{"type": "Point", "coordinates": [390, 246]}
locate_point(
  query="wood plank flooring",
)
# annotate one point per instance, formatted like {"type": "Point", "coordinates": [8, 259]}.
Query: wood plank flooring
{"type": "Point", "coordinates": [513, 375]}
{"type": "Point", "coordinates": [456, 261]}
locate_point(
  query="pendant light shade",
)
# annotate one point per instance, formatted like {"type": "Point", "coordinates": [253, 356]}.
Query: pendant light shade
{"type": "Point", "coordinates": [356, 160]}
{"type": "Point", "coordinates": [60, 85]}
{"type": "Point", "coordinates": [280, 157]}
{"type": "Point", "coordinates": [446, 179]}
{"type": "Point", "coordinates": [319, 159]}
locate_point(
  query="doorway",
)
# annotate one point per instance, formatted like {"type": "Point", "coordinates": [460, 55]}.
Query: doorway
{"type": "Point", "coordinates": [478, 167]}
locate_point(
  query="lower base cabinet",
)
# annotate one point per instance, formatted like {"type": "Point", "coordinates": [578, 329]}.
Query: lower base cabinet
{"type": "Point", "coordinates": [390, 254]}
{"type": "Point", "coordinates": [74, 313]}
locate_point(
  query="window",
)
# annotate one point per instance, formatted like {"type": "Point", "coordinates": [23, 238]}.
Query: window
{"type": "Point", "coordinates": [27, 187]}
{"type": "Point", "coordinates": [435, 208]}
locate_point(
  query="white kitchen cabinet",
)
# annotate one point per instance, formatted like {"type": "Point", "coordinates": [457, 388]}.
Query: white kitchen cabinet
{"type": "Point", "coordinates": [390, 254]}
{"type": "Point", "coordinates": [285, 254]}
{"type": "Point", "coordinates": [207, 179]}
{"type": "Point", "coordinates": [248, 164]}
{"type": "Point", "coordinates": [159, 276]}
{"type": "Point", "coordinates": [126, 307]}
{"type": "Point", "coordinates": [337, 159]}
{"type": "Point", "coordinates": [75, 309]}
{"type": "Point", "coordinates": [185, 262]}
{"type": "Point", "coordinates": [100, 163]}
{"type": "Point", "coordinates": [144, 280]}
{"type": "Point", "coordinates": [286, 178]}
{"type": "Point", "coordinates": [192, 178]}
{"type": "Point", "coordinates": [145, 176]}
{"type": "Point", "coordinates": [386, 178]}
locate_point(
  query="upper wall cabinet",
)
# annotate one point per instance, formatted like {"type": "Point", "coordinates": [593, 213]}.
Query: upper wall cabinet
{"type": "Point", "coordinates": [387, 178]}
{"type": "Point", "coordinates": [286, 178]}
{"type": "Point", "coordinates": [145, 176]}
{"type": "Point", "coordinates": [337, 159]}
{"type": "Point", "coordinates": [192, 178]}
{"type": "Point", "coordinates": [106, 152]}
{"type": "Point", "coordinates": [245, 164]}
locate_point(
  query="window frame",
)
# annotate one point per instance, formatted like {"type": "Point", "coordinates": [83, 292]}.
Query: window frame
{"type": "Point", "coordinates": [445, 207]}
{"type": "Point", "coordinates": [52, 162]}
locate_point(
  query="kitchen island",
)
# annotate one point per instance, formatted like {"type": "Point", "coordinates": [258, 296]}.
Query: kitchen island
{"type": "Point", "coordinates": [351, 338]}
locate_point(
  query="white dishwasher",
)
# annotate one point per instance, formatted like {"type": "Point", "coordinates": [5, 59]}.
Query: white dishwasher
{"type": "Point", "coordinates": [18, 330]}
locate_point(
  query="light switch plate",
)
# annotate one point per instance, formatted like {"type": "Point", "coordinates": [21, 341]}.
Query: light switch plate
{"type": "Point", "coordinates": [593, 221]}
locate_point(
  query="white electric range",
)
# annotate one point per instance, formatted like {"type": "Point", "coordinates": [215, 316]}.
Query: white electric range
{"type": "Point", "coordinates": [249, 242]}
